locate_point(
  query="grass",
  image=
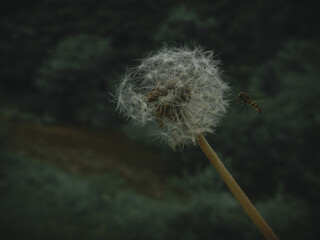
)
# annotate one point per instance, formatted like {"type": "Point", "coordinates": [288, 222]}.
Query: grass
{"type": "Point", "coordinates": [86, 151]}
{"type": "Point", "coordinates": [47, 196]}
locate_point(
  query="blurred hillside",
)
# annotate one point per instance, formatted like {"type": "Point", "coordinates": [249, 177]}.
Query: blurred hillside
{"type": "Point", "coordinates": [71, 167]}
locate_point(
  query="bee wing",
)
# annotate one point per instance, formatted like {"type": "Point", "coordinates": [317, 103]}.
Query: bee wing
{"type": "Point", "coordinates": [258, 98]}
{"type": "Point", "coordinates": [235, 100]}
{"type": "Point", "coordinates": [235, 97]}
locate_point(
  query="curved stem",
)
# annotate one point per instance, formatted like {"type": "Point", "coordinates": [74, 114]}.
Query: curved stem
{"type": "Point", "coordinates": [242, 198]}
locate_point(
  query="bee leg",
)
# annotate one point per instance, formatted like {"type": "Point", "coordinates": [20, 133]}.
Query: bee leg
{"type": "Point", "coordinates": [247, 110]}
{"type": "Point", "coordinates": [160, 122]}
{"type": "Point", "coordinates": [180, 147]}
{"type": "Point", "coordinates": [242, 107]}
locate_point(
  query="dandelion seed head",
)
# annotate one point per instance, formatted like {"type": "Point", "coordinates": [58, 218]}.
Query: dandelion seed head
{"type": "Point", "coordinates": [177, 88]}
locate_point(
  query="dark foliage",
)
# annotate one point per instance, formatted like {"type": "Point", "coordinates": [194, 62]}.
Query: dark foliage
{"type": "Point", "coordinates": [60, 60]}
{"type": "Point", "coordinates": [39, 201]}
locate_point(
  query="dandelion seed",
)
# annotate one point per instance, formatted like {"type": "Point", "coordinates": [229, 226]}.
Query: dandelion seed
{"type": "Point", "coordinates": [180, 89]}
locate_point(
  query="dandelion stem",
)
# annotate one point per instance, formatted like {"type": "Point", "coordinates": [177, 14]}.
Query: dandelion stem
{"type": "Point", "coordinates": [242, 198]}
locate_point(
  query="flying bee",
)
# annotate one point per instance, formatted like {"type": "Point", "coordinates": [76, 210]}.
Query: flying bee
{"type": "Point", "coordinates": [244, 99]}
{"type": "Point", "coordinates": [168, 109]}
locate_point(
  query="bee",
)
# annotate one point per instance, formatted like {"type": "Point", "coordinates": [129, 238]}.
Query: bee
{"type": "Point", "coordinates": [244, 99]}
{"type": "Point", "coordinates": [170, 110]}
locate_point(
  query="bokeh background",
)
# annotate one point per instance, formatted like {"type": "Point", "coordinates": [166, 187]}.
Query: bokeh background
{"type": "Point", "coordinates": [72, 168]}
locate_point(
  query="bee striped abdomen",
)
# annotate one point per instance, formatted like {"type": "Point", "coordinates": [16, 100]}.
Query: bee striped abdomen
{"type": "Point", "coordinates": [244, 98]}
{"type": "Point", "coordinates": [256, 106]}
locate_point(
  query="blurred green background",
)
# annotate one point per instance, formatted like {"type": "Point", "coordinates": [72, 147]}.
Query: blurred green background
{"type": "Point", "coordinates": [72, 168]}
